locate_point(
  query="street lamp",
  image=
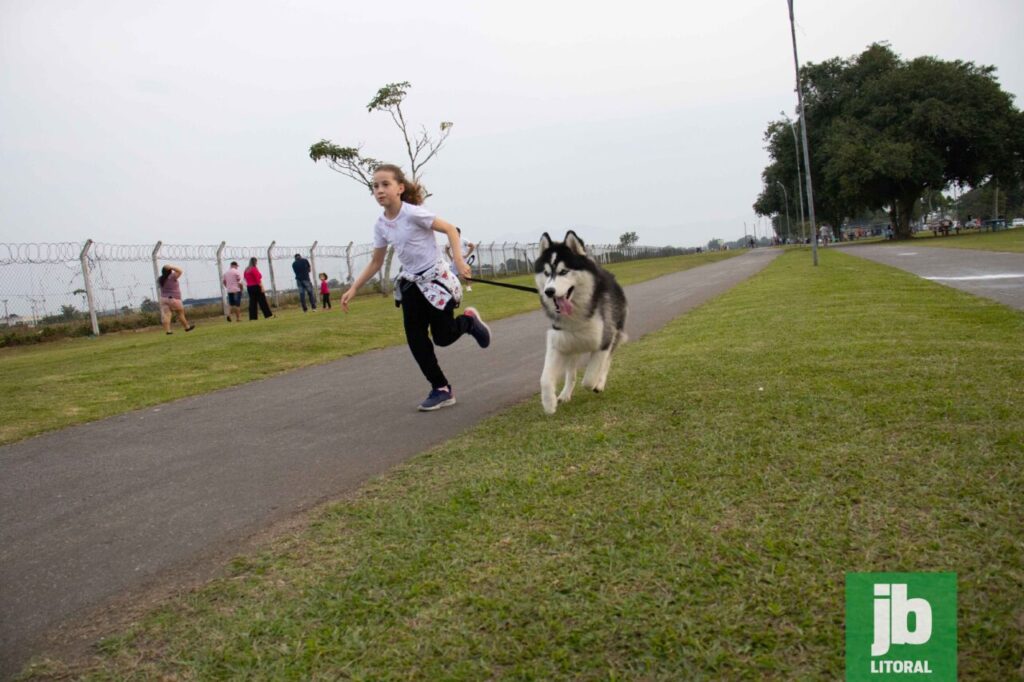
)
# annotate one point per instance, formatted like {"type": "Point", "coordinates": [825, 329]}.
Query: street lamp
{"type": "Point", "coordinates": [803, 134]}
{"type": "Point", "coordinates": [799, 179]}
{"type": "Point", "coordinates": [789, 227]}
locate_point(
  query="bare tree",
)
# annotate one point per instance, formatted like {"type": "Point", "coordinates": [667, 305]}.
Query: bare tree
{"type": "Point", "coordinates": [628, 239]}
{"type": "Point", "coordinates": [421, 148]}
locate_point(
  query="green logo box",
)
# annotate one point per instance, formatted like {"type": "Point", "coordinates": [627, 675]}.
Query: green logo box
{"type": "Point", "coordinates": [901, 626]}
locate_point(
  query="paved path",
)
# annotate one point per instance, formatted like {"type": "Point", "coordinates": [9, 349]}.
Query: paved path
{"type": "Point", "coordinates": [104, 509]}
{"type": "Point", "coordinates": [991, 274]}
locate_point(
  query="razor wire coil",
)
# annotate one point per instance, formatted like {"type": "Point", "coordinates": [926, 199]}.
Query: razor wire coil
{"type": "Point", "coordinates": [40, 279]}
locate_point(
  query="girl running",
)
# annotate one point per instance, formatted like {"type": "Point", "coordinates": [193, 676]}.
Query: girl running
{"type": "Point", "coordinates": [426, 288]}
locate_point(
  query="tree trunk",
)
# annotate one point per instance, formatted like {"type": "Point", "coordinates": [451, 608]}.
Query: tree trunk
{"type": "Point", "coordinates": [903, 209]}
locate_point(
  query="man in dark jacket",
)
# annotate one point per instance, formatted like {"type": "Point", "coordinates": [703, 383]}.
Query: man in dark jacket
{"type": "Point", "coordinates": [302, 269]}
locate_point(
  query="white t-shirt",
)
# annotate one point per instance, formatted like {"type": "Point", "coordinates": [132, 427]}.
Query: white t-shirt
{"type": "Point", "coordinates": [411, 236]}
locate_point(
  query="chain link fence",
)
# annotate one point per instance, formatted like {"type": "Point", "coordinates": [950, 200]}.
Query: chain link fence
{"type": "Point", "coordinates": [94, 287]}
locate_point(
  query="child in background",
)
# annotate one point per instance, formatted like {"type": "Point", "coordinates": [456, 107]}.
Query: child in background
{"type": "Point", "coordinates": [325, 292]}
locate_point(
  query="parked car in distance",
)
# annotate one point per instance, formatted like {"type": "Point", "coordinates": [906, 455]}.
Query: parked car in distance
{"type": "Point", "coordinates": [1018, 222]}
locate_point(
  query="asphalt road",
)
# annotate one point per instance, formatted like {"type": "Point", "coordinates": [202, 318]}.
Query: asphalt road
{"type": "Point", "coordinates": [98, 511]}
{"type": "Point", "coordinates": [991, 274]}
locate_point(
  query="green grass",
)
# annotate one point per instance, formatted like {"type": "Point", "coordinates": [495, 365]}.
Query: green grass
{"type": "Point", "coordinates": [53, 385]}
{"type": "Point", "coordinates": [693, 522]}
{"type": "Point", "coordinates": [1003, 240]}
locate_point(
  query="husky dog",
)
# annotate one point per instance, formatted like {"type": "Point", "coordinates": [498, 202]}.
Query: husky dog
{"type": "Point", "coordinates": [587, 308]}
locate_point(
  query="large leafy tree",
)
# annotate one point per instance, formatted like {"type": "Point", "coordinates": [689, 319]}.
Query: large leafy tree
{"type": "Point", "coordinates": [420, 146]}
{"type": "Point", "coordinates": [883, 132]}
{"type": "Point", "coordinates": [980, 202]}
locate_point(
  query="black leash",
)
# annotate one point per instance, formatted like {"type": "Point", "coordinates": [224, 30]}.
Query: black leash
{"type": "Point", "coordinates": [503, 284]}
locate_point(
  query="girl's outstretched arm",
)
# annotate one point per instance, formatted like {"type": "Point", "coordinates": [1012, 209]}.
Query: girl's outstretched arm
{"type": "Point", "coordinates": [369, 271]}
{"type": "Point", "coordinates": [455, 242]}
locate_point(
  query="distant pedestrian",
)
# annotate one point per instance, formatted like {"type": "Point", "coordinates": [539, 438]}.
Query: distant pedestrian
{"type": "Point", "coordinates": [301, 268]}
{"type": "Point", "coordinates": [467, 253]}
{"type": "Point", "coordinates": [325, 292]}
{"type": "Point", "coordinates": [254, 286]}
{"type": "Point", "coordinates": [232, 280]}
{"type": "Point", "coordinates": [170, 299]}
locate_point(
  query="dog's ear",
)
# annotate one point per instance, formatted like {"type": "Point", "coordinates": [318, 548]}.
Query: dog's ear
{"type": "Point", "coordinates": [575, 244]}
{"type": "Point", "coordinates": [545, 241]}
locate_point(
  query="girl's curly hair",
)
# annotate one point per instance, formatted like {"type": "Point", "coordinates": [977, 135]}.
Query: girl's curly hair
{"type": "Point", "coordinates": [414, 193]}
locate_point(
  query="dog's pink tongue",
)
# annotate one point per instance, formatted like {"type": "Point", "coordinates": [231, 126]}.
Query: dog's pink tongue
{"type": "Point", "coordinates": [564, 306]}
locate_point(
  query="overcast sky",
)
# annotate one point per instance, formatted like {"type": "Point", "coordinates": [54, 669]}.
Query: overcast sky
{"type": "Point", "coordinates": [129, 121]}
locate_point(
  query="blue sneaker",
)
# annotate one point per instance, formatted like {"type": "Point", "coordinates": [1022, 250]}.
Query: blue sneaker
{"type": "Point", "coordinates": [479, 331]}
{"type": "Point", "coordinates": [438, 398]}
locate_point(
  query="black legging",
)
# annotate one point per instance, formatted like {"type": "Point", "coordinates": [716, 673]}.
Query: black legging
{"type": "Point", "coordinates": [257, 297]}
{"type": "Point", "coordinates": [419, 317]}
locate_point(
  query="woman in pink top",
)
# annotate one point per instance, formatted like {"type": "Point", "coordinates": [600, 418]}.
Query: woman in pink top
{"type": "Point", "coordinates": [254, 285]}
{"type": "Point", "coordinates": [170, 299]}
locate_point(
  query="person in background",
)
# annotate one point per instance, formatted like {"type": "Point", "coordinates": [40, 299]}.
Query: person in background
{"type": "Point", "coordinates": [467, 253]}
{"type": "Point", "coordinates": [325, 292]}
{"type": "Point", "coordinates": [301, 268]}
{"type": "Point", "coordinates": [254, 286]}
{"type": "Point", "coordinates": [170, 299]}
{"type": "Point", "coordinates": [232, 280]}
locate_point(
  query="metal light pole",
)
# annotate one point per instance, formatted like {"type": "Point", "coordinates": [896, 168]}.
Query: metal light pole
{"type": "Point", "coordinates": [799, 178]}
{"type": "Point", "coordinates": [789, 226]}
{"type": "Point", "coordinates": [803, 134]}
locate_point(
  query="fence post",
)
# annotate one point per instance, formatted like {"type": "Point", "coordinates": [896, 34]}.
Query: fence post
{"type": "Point", "coordinates": [494, 271]}
{"type": "Point", "coordinates": [273, 280]}
{"type": "Point", "coordinates": [386, 278]}
{"type": "Point", "coordinates": [156, 273]}
{"type": "Point", "coordinates": [315, 273]}
{"type": "Point", "coordinates": [84, 257]}
{"type": "Point", "coordinates": [348, 262]}
{"type": "Point", "coordinates": [504, 260]}
{"type": "Point", "coordinates": [220, 279]}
